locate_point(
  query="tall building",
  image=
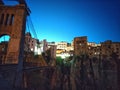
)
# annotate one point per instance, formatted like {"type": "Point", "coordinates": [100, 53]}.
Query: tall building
{"type": "Point", "coordinates": [31, 44]}
{"type": "Point", "coordinates": [38, 47]}
{"type": "Point", "coordinates": [53, 51]}
{"type": "Point", "coordinates": [80, 45]}
{"type": "Point", "coordinates": [53, 48]}
{"type": "Point", "coordinates": [45, 45]}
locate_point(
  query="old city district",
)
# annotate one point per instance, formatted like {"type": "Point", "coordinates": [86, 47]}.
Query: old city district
{"type": "Point", "coordinates": [79, 65]}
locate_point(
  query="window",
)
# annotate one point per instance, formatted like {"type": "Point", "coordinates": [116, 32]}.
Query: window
{"type": "Point", "coordinates": [77, 42]}
{"type": "Point", "coordinates": [11, 19]}
{"type": "Point", "coordinates": [3, 49]}
{"type": "Point", "coordinates": [6, 20]}
{"type": "Point", "coordinates": [109, 46]}
{"type": "Point", "coordinates": [1, 19]}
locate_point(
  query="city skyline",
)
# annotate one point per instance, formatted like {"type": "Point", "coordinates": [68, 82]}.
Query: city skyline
{"type": "Point", "coordinates": [62, 20]}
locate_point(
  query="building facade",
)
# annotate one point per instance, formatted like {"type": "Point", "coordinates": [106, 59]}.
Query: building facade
{"type": "Point", "coordinates": [62, 45]}
{"type": "Point", "coordinates": [102, 50]}
{"type": "Point", "coordinates": [108, 47]}
{"type": "Point", "coordinates": [53, 51]}
{"type": "Point", "coordinates": [80, 45]}
{"type": "Point", "coordinates": [31, 44]}
{"type": "Point", "coordinates": [93, 49]}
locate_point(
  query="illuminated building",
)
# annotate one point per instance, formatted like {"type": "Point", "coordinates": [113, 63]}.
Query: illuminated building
{"type": "Point", "coordinates": [62, 45]}
{"type": "Point", "coordinates": [93, 49]}
{"type": "Point", "coordinates": [64, 49]}
{"type": "Point", "coordinates": [104, 49]}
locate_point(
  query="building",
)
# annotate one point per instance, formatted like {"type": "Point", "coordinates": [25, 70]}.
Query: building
{"type": "Point", "coordinates": [69, 47]}
{"type": "Point", "coordinates": [31, 44]}
{"type": "Point", "coordinates": [108, 47]}
{"type": "Point", "coordinates": [42, 46]}
{"type": "Point", "coordinates": [51, 43]}
{"type": "Point", "coordinates": [61, 49]}
{"type": "Point", "coordinates": [53, 51]}
{"type": "Point", "coordinates": [49, 49]}
{"type": "Point", "coordinates": [45, 45]}
{"type": "Point", "coordinates": [62, 45]}
{"type": "Point", "coordinates": [102, 50]}
{"type": "Point", "coordinates": [53, 48]}
{"type": "Point", "coordinates": [93, 49]}
{"type": "Point", "coordinates": [80, 45]}
{"type": "Point", "coordinates": [64, 49]}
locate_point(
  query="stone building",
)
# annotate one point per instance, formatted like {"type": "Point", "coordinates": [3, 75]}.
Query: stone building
{"type": "Point", "coordinates": [45, 45]}
{"type": "Point", "coordinates": [42, 46]}
{"type": "Point", "coordinates": [52, 49]}
{"type": "Point", "coordinates": [104, 49]}
{"type": "Point", "coordinates": [30, 43]}
{"type": "Point", "coordinates": [80, 45]}
{"type": "Point", "coordinates": [93, 49]}
{"type": "Point", "coordinates": [108, 47]}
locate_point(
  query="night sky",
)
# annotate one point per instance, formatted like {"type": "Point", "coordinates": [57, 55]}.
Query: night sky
{"type": "Point", "coordinates": [62, 20]}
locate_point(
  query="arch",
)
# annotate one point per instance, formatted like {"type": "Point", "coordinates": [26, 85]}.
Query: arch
{"type": "Point", "coordinates": [4, 35]}
{"type": "Point", "coordinates": [4, 42]}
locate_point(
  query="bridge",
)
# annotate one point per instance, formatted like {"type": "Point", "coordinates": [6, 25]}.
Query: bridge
{"type": "Point", "coordinates": [8, 75]}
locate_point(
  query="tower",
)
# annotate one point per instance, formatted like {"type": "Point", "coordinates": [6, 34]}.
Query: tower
{"type": "Point", "coordinates": [13, 23]}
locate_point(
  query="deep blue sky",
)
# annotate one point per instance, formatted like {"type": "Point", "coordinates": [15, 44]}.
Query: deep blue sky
{"type": "Point", "coordinates": [62, 20]}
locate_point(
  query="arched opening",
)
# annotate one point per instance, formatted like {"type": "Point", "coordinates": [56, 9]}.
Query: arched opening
{"type": "Point", "coordinates": [4, 40]}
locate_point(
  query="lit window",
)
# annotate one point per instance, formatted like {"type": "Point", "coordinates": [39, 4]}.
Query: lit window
{"type": "Point", "coordinates": [31, 49]}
